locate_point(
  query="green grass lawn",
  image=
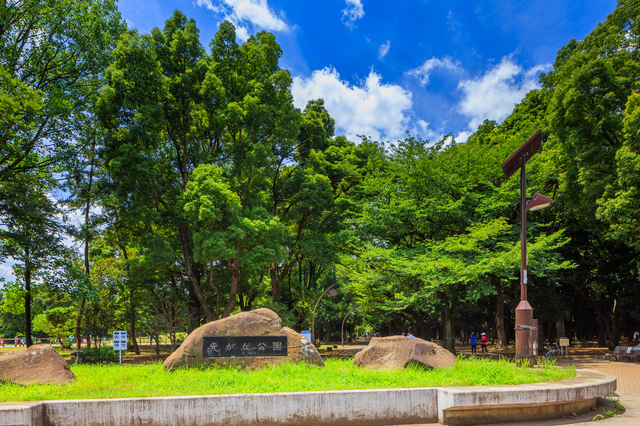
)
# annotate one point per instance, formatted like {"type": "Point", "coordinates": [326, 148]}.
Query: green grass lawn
{"type": "Point", "coordinates": [116, 381]}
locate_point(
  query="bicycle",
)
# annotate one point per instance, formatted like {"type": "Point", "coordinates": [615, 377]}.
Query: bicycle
{"type": "Point", "coordinates": [553, 353]}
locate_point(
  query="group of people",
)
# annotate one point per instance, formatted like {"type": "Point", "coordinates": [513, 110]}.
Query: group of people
{"type": "Point", "coordinates": [474, 343]}
{"type": "Point", "coordinates": [18, 341]}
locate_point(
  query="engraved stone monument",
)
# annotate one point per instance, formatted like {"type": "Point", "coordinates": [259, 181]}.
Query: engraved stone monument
{"type": "Point", "coordinates": [252, 339]}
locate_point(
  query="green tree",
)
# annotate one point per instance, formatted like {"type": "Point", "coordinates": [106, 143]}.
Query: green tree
{"type": "Point", "coordinates": [232, 109]}
{"type": "Point", "coordinates": [619, 206]}
{"type": "Point", "coordinates": [589, 91]}
{"type": "Point", "coordinates": [31, 235]}
{"type": "Point", "coordinates": [57, 323]}
{"type": "Point", "coordinates": [51, 55]}
{"type": "Point", "coordinates": [228, 233]}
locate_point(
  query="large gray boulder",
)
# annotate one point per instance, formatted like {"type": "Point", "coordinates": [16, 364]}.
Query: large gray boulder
{"type": "Point", "coordinates": [399, 351]}
{"type": "Point", "coordinates": [260, 322]}
{"type": "Point", "coordinates": [37, 364]}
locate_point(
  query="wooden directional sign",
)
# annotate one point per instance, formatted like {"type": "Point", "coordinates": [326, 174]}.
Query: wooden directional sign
{"type": "Point", "coordinates": [522, 154]}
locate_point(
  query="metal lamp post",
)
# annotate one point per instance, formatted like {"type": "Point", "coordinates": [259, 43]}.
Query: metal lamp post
{"type": "Point", "coordinates": [333, 292]}
{"type": "Point", "coordinates": [526, 326]}
{"type": "Point", "coordinates": [345, 317]}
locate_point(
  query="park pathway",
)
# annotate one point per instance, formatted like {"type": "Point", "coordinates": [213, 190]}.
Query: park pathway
{"type": "Point", "coordinates": [628, 375]}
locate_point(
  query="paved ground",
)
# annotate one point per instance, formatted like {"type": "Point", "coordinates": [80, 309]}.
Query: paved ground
{"type": "Point", "coordinates": [628, 375]}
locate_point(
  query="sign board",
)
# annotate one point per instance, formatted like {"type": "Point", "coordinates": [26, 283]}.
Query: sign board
{"type": "Point", "coordinates": [119, 340]}
{"type": "Point", "coordinates": [243, 346]}
{"type": "Point", "coordinates": [564, 341]}
{"type": "Point", "coordinates": [522, 154]}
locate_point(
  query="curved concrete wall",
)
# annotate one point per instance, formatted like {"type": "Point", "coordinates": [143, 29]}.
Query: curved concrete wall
{"type": "Point", "coordinates": [459, 405]}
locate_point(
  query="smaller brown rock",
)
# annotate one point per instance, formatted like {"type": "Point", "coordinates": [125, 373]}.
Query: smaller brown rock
{"type": "Point", "coordinates": [399, 351]}
{"type": "Point", "coordinates": [37, 364]}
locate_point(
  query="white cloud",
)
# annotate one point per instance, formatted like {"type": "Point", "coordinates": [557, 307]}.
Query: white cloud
{"type": "Point", "coordinates": [373, 109]}
{"type": "Point", "coordinates": [423, 72]}
{"type": "Point", "coordinates": [384, 49]}
{"type": "Point", "coordinates": [463, 136]}
{"type": "Point", "coordinates": [352, 12]}
{"type": "Point", "coordinates": [493, 95]}
{"type": "Point", "coordinates": [423, 126]}
{"type": "Point", "coordinates": [453, 22]}
{"type": "Point", "coordinates": [6, 271]}
{"type": "Point", "coordinates": [246, 13]}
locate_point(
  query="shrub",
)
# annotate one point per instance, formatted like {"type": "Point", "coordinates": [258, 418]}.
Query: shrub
{"type": "Point", "coordinates": [103, 355]}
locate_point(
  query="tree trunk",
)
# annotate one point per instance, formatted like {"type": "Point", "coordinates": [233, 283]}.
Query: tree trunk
{"type": "Point", "coordinates": [422, 329]}
{"type": "Point", "coordinates": [78, 319]}
{"type": "Point", "coordinates": [157, 343]}
{"type": "Point", "coordinates": [428, 328]}
{"type": "Point", "coordinates": [193, 306]}
{"type": "Point", "coordinates": [449, 337]}
{"type": "Point", "coordinates": [132, 309]}
{"type": "Point", "coordinates": [87, 269]}
{"type": "Point", "coordinates": [235, 277]}
{"type": "Point", "coordinates": [186, 253]}
{"type": "Point", "coordinates": [560, 331]}
{"type": "Point", "coordinates": [541, 350]}
{"type": "Point", "coordinates": [614, 338]}
{"type": "Point", "coordinates": [277, 278]}
{"type": "Point", "coordinates": [275, 283]}
{"type": "Point", "coordinates": [500, 325]}
{"type": "Point", "coordinates": [27, 300]}
{"type": "Point", "coordinates": [215, 288]}
{"type": "Point", "coordinates": [602, 333]}
{"type": "Point", "coordinates": [132, 323]}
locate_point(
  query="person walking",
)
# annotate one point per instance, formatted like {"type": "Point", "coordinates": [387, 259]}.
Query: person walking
{"type": "Point", "coordinates": [483, 342]}
{"type": "Point", "coordinates": [474, 344]}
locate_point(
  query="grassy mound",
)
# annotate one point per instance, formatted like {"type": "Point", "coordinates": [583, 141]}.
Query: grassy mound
{"type": "Point", "coordinates": [127, 381]}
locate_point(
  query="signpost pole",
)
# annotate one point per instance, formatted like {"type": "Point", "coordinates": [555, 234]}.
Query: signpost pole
{"type": "Point", "coordinates": [523, 230]}
{"type": "Point", "coordinates": [524, 311]}
{"type": "Point", "coordinates": [526, 326]}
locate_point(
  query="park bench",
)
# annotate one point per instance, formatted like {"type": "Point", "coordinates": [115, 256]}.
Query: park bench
{"type": "Point", "coordinates": [620, 353]}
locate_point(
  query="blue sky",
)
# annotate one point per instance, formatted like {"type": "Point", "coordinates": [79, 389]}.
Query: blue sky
{"type": "Point", "coordinates": [383, 67]}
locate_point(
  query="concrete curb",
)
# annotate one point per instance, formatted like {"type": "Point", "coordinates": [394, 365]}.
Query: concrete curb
{"type": "Point", "coordinates": [453, 405]}
{"type": "Point", "coordinates": [28, 413]}
{"type": "Point", "coordinates": [493, 404]}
